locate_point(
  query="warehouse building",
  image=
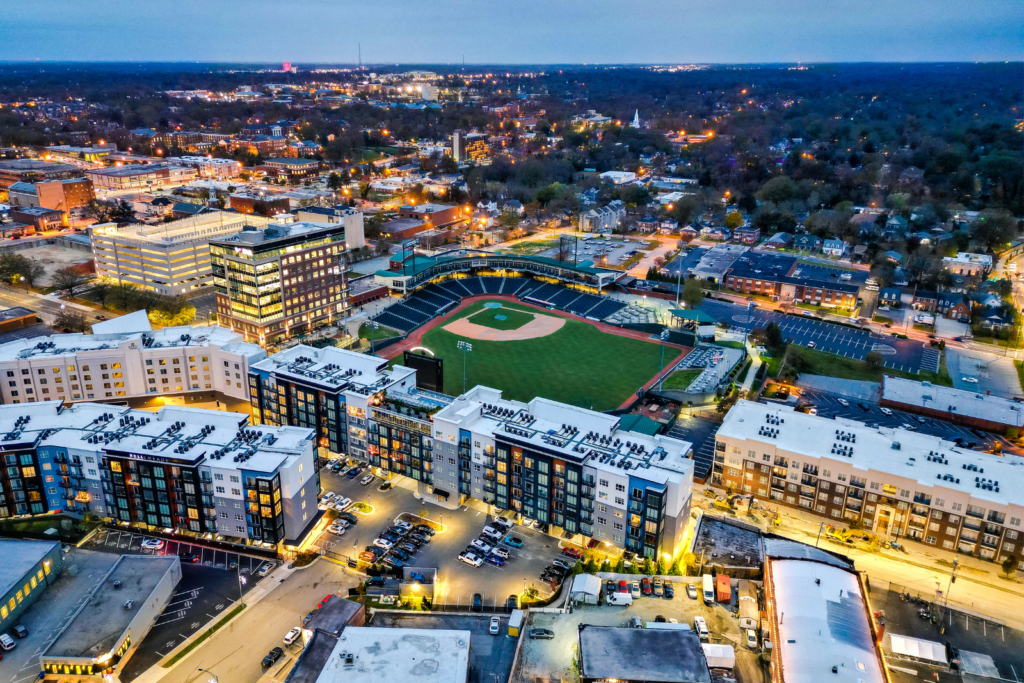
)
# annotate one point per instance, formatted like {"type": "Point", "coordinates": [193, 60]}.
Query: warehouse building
{"type": "Point", "coordinates": [26, 569]}
{"type": "Point", "coordinates": [371, 655]}
{"type": "Point", "coordinates": [958, 406]}
{"type": "Point", "coordinates": [117, 615]}
{"type": "Point", "coordinates": [641, 655]}
{"type": "Point", "coordinates": [894, 482]}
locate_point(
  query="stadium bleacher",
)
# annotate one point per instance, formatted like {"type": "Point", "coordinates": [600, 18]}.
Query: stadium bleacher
{"type": "Point", "coordinates": [492, 285]}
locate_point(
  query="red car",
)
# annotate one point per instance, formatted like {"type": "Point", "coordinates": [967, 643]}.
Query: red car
{"type": "Point", "coordinates": [572, 552]}
{"type": "Point", "coordinates": [623, 587]}
{"type": "Point", "coordinates": [645, 586]}
{"type": "Point", "coordinates": [189, 557]}
{"type": "Point", "coordinates": [366, 556]}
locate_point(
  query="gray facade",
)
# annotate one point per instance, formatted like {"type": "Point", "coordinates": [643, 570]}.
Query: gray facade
{"type": "Point", "coordinates": [26, 569]}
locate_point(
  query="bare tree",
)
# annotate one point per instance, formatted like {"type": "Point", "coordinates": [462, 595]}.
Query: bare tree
{"type": "Point", "coordinates": [68, 278]}
{"type": "Point", "coordinates": [70, 320]}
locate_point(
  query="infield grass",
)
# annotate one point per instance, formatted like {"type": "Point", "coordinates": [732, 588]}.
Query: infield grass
{"type": "Point", "coordinates": [514, 319]}
{"type": "Point", "coordinates": [578, 364]}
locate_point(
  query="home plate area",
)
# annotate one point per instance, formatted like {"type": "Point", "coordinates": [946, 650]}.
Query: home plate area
{"type": "Point", "coordinates": [496, 323]}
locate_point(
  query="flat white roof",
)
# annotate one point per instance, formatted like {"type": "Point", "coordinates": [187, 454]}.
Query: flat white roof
{"type": "Point", "coordinates": [64, 345]}
{"type": "Point", "coordinates": [906, 646]}
{"type": "Point", "coordinates": [956, 401]}
{"type": "Point", "coordinates": [205, 226]}
{"type": "Point", "coordinates": [334, 369]}
{"type": "Point", "coordinates": [928, 460]}
{"type": "Point", "coordinates": [822, 620]}
{"type": "Point", "coordinates": [367, 654]}
{"type": "Point", "coordinates": [577, 433]}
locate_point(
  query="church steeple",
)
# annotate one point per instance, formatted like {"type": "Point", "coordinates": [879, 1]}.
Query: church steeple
{"type": "Point", "coordinates": [636, 119]}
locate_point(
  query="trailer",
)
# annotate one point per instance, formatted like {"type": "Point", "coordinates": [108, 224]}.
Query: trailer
{"type": "Point", "coordinates": [719, 656]}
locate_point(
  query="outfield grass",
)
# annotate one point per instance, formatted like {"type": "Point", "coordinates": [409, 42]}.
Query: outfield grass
{"type": "Point", "coordinates": [578, 364]}
{"type": "Point", "coordinates": [681, 379]}
{"type": "Point", "coordinates": [513, 319]}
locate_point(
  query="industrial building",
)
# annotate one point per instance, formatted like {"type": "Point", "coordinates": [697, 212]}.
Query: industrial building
{"type": "Point", "coordinates": [282, 280]}
{"type": "Point", "coordinates": [116, 616]}
{"type": "Point", "coordinates": [26, 569]}
{"type": "Point", "coordinates": [641, 655]}
{"type": "Point", "coordinates": [187, 469]}
{"type": "Point", "coordinates": [371, 655]}
{"type": "Point", "coordinates": [126, 358]}
{"type": "Point", "coordinates": [170, 258]}
{"type": "Point", "coordinates": [958, 406]}
{"type": "Point", "coordinates": [894, 482]}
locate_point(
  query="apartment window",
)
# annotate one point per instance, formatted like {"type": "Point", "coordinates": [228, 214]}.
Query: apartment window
{"type": "Point", "coordinates": [951, 531]}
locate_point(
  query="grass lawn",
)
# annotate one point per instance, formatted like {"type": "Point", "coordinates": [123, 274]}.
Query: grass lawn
{"type": "Point", "coordinates": [681, 379]}
{"type": "Point", "coordinates": [579, 364]}
{"type": "Point", "coordinates": [882, 319]}
{"type": "Point", "coordinates": [830, 365]}
{"type": "Point", "coordinates": [531, 248]}
{"type": "Point", "coordinates": [730, 344]}
{"type": "Point", "coordinates": [513, 319]}
{"type": "Point", "coordinates": [924, 328]}
{"type": "Point", "coordinates": [1019, 364]}
{"type": "Point", "coordinates": [367, 332]}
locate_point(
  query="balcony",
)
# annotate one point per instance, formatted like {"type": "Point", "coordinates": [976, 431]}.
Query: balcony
{"type": "Point", "coordinates": [922, 499]}
{"type": "Point", "coordinates": [808, 481]}
{"type": "Point", "coordinates": [778, 483]}
{"type": "Point", "coordinates": [588, 492]}
{"type": "Point", "coordinates": [588, 480]}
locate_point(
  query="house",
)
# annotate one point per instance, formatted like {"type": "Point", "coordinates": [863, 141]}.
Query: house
{"type": "Point", "coordinates": [746, 235]}
{"type": "Point", "coordinates": [889, 296]}
{"type": "Point", "coordinates": [860, 251]}
{"type": "Point", "coordinates": [968, 264]}
{"type": "Point", "coordinates": [865, 223]}
{"type": "Point", "coordinates": [603, 219]}
{"type": "Point", "coordinates": [994, 318]}
{"type": "Point", "coordinates": [618, 177]}
{"type": "Point", "coordinates": [688, 233]}
{"type": "Point", "coordinates": [669, 226]}
{"type": "Point", "coordinates": [835, 248]}
{"type": "Point", "coordinates": [955, 306]}
{"type": "Point", "coordinates": [647, 225]}
{"type": "Point", "coordinates": [925, 301]}
{"type": "Point", "coordinates": [896, 224]}
{"type": "Point", "coordinates": [806, 242]}
{"type": "Point", "coordinates": [893, 257]}
{"type": "Point", "coordinates": [779, 240]}
{"type": "Point", "coordinates": [716, 233]}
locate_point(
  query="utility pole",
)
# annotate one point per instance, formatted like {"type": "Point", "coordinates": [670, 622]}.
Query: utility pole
{"type": "Point", "coordinates": [949, 586]}
{"type": "Point", "coordinates": [820, 527]}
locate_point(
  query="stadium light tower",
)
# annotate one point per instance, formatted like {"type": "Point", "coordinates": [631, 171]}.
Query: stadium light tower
{"type": "Point", "coordinates": [465, 347]}
{"type": "Point", "coordinates": [373, 325]}
{"type": "Point", "coordinates": [664, 338]}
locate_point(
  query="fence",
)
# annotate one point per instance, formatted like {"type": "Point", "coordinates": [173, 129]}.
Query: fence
{"type": "Point", "coordinates": [932, 599]}
{"type": "Point", "coordinates": [181, 537]}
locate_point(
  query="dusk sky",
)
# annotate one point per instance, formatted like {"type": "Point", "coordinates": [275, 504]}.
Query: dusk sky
{"type": "Point", "coordinates": [527, 31]}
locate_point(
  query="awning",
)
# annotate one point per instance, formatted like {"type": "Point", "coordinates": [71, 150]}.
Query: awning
{"type": "Point", "coordinates": [441, 494]}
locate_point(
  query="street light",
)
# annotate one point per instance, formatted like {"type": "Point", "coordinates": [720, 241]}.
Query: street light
{"type": "Point", "coordinates": [213, 676]}
{"type": "Point", "coordinates": [465, 347]}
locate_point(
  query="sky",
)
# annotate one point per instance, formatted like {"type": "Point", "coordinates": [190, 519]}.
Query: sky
{"type": "Point", "coordinates": [513, 32]}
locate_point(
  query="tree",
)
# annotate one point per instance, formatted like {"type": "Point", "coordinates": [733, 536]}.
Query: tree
{"type": "Point", "coordinates": [100, 291]}
{"type": "Point", "coordinates": [648, 566]}
{"type": "Point", "coordinates": [994, 227]}
{"type": "Point", "coordinates": [70, 320]}
{"type": "Point", "coordinates": [734, 220]}
{"type": "Point", "coordinates": [1009, 565]}
{"type": "Point", "coordinates": [334, 182]}
{"type": "Point", "coordinates": [874, 359]}
{"type": "Point", "coordinates": [509, 219]}
{"type": "Point", "coordinates": [693, 294]}
{"type": "Point", "coordinates": [68, 278]}
{"type": "Point", "coordinates": [663, 566]}
{"type": "Point", "coordinates": [123, 295]}
{"type": "Point", "coordinates": [773, 337]}
{"type": "Point", "coordinates": [15, 269]}
{"type": "Point", "coordinates": [530, 594]}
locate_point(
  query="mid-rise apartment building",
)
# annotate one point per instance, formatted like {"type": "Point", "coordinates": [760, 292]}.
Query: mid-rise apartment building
{"type": "Point", "coordinates": [282, 280]}
{"type": "Point", "coordinates": [189, 469]}
{"type": "Point", "coordinates": [133, 361]}
{"type": "Point", "coordinates": [566, 467]}
{"type": "Point", "coordinates": [60, 195]}
{"type": "Point", "coordinates": [894, 482]}
{"type": "Point", "coordinates": [169, 258]}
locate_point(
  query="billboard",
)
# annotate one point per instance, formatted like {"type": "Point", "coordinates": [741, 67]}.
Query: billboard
{"type": "Point", "coordinates": [429, 370]}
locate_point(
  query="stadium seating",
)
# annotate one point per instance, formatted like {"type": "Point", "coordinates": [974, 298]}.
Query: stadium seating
{"type": "Point", "coordinates": [604, 309]}
{"type": "Point", "coordinates": [473, 284]}
{"type": "Point", "coordinates": [492, 285]}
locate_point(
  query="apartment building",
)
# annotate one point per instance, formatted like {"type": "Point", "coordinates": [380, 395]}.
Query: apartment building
{"type": "Point", "coordinates": [34, 170]}
{"type": "Point", "coordinates": [894, 482]}
{"type": "Point", "coordinates": [61, 195]}
{"type": "Point", "coordinates": [169, 258]}
{"type": "Point", "coordinates": [210, 167]}
{"type": "Point", "coordinates": [281, 280]}
{"type": "Point", "coordinates": [134, 361]}
{"type": "Point", "coordinates": [188, 469]}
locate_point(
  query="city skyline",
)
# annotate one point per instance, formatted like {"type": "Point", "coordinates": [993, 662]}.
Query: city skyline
{"type": "Point", "coordinates": [602, 33]}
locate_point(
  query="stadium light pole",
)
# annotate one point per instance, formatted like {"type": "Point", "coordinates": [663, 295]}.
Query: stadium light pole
{"type": "Point", "coordinates": [374, 325]}
{"type": "Point", "coordinates": [465, 347]}
{"type": "Point", "coordinates": [664, 338]}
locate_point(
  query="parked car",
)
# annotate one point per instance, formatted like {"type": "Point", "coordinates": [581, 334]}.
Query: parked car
{"type": "Point", "coordinates": [541, 634]}
{"type": "Point", "coordinates": [503, 523]}
{"type": "Point", "coordinates": [366, 480]}
{"type": "Point", "coordinates": [400, 554]}
{"type": "Point", "coordinates": [669, 590]}
{"type": "Point", "coordinates": [623, 586]}
{"type": "Point", "coordinates": [500, 552]}
{"type": "Point", "coordinates": [843, 402]}
{"type": "Point", "coordinates": [396, 530]}
{"type": "Point", "coordinates": [272, 657]}
{"type": "Point", "coordinates": [658, 586]}
{"type": "Point", "coordinates": [189, 557]}
{"type": "Point", "coordinates": [493, 532]}
{"type": "Point", "coordinates": [383, 543]}
{"type": "Point", "coordinates": [19, 631]}
{"type": "Point", "coordinates": [470, 559]}
{"type": "Point", "coordinates": [354, 472]}
{"type": "Point", "coordinates": [751, 639]}
{"type": "Point", "coordinates": [328, 496]}
{"type": "Point", "coordinates": [152, 543]}
{"type": "Point", "coordinates": [636, 622]}
{"type": "Point", "coordinates": [367, 556]}
{"type": "Point", "coordinates": [408, 548]}
{"type": "Point", "coordinates": [482, 546]}
{"type": "Point", "coordinates": [417, 539]}
{"type": "Point", "coordinates": [336, 529]}
{"type": "Point", "coordinates": [392, 562]}
{"type": "Point", "coordinates": [495, 626]}
{"type": "Point", "coordinates": [348, 517]}
{"type": "Point", "coordinates": [969, 380]}
{"type": "Point", "coordinates": [388, 536]}
{"type": "Point", "coordinates": [265, 569]}
{"type": "Point", "coordinates": [478, 602]}
{"type": "Point", "coordinates": [645, 586]}
{"type": "Point", "coordinates": [404, 526]}
{"type": "Point", "coordinates": [634, 589]}
{"type": "Point", "coordinates": [701, 627]}
{"type": "Point", "coordinates": [886, 411]}
{"type": "Point", "coordinates": [423, 529]}
{"type": "Point", "coordinates": [691, 591]}
{"type": "Point", "coordinates": [292, 635]}
{"type": "Point", "coordinates": [495, 560]}
{"type": "Point", "coordinates": [6, 642]}
{"type": "Point", "coordinates": [514, 541]}
{"type": "Point", "coordinates": [574, 553]}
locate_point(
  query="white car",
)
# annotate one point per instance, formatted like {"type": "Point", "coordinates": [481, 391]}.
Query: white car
{"type": "Point", "coordinates": [152, 543]}
{"type": "Point", "coordinates": [341, 503]}
{"type": "Point", "coordinates": [481, 546]}
{"type": "Point", "coordinates": [292, 635]}
{"type": "Point", "coordinates": [366, 480]}
{"type": "Point", "coordinates": [500, 552]}
{"type": "Point", "coordinates": [969, 380]}
{"type": "Point", "coordinates": [886, 412]}
{"type": "Point", "coordinates": [493, 532]}
{"type": "Point", "coordinates": [329, 496]}
{"type": "Point", "coordinates": [383, 543]}
{"type": "Point", "coordinates": [470, 559]}
{"type": "Point", "coordinates": [404, 526]}
{"type": "Point", "coordinates": [336, 529]}
{"type": "Point", "coordinates": [634, 589]}
{"type": "Point", "coordinates": [751, 639]}
{"type": "Point", "coordinates": [843, 402]}
{"type": "Point", "coordinates": [495, 626]}
{"type": "Point", "coordinates": [701, 627]}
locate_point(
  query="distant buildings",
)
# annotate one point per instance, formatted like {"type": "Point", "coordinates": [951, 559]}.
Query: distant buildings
{"type": "Point", "coordinates": [60, 195]}
{"type": "Point", "coordinates": [169, 258]}
{"type": "Point", "coordinates": [437, 215]}
{"type": "Point", "coordinates": [291, 170]}
{"type": "Point", "coordinates": [618, 177]}
{"type": "Point", "coordinates": [603, 219]}
{"type": "Point", "coordinates": [140, 176]}
{"type": "Point", "coordinates": [300, 273]}
{"type": "Point", "coordinates": [967, 264]}
{"type": "Point", "coordinates": [34, 170]}
{"type": "Point", "coordinates": [210, 167]}
{"type": "Point", "coordinates": [264, 205]}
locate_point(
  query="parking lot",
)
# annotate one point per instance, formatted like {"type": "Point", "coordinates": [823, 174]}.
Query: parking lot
{"type": "Point", "coordinates": [963, 631]}
{"type": "Point", "coordinates": [900, 354]}
{"type": "Point", "coordinates": [490, 657]}
{"type": "Point", "coordinates": [553, 658]}
{"type": "Point", "coordinates": [829, 406]}
{"type": "Point", "coordinates": [458, 582]}
{"type": "Point", "coordinates": [209, 585]}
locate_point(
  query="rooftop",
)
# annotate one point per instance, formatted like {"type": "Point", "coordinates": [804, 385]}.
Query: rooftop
{"type": "Point", "coordinates": [97, 627]}
{"type": "Point", "coordinates": [188, 436]}
{"type": "Point", "coordinates": [268, 234]}
{"type": "Point", "coordinates": [926, 459]}
{"type": "Point", "coordinates": [28, 165]}
{"type": "Point", "coordinates": [428, 208]}
{"type": "Point", "coordinates": [722, 542]}
{"type": "Point", "coordinates": [822, 621]}
{"type": "Point", "coordinates": [63, 345]}
{"type": "Point", "coordinates": [948, 399]}
{"type": "Point", "coordinates": [19, 558]}
{"type": "Point", "coordinates": [398, 655]}
{"type": "Point", "coordinates": [126, 171]}
{"type": "Point", "coordinates": [335, 369]}
{"type": "Point", "coordinates": [640, 654]}
{"type": "Point", "coordinates": [16, 312]}
{"type": "Point", "coordinates": [204, 227]}
{"type": "Point", "coordinates": [570, 431]}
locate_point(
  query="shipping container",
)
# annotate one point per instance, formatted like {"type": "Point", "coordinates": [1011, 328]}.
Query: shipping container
{"type": "Point", "coordinates": [724, 588]}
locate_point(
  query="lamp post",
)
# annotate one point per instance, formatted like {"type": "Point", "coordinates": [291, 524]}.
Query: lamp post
{"type": "Point", "coordinates": [465, 347]}
{"type": "Point", "coordinates": [820, 527]}
{"type": "Point", "coordinates": [664, 338]}
{"type": "Point", "coordinates": [213, 676]}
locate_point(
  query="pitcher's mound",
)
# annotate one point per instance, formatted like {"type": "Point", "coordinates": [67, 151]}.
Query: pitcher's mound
{"type": "Point", "coordinates": [540, 326]}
